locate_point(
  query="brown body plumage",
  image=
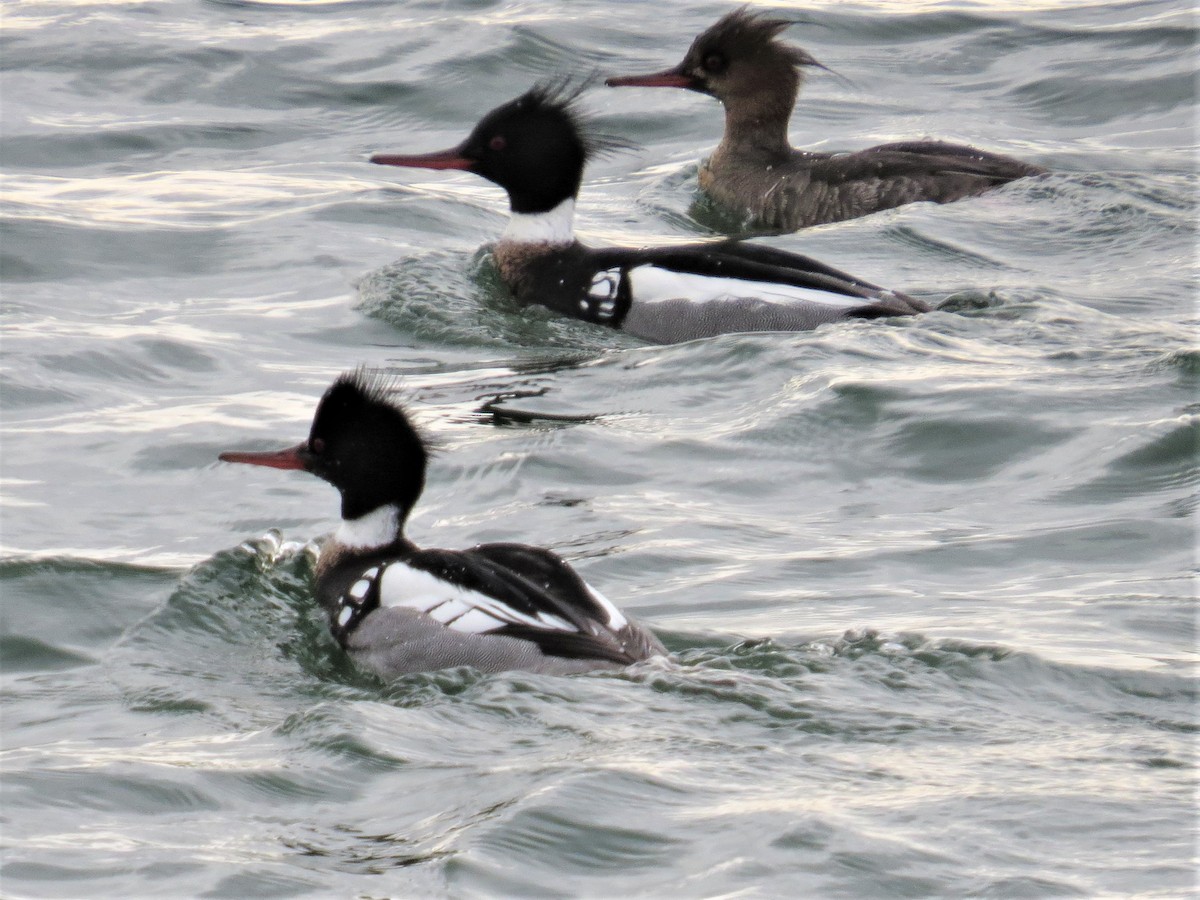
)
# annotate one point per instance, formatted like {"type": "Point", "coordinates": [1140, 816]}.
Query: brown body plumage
{"type": "Point", "coordinates": [755, 171]}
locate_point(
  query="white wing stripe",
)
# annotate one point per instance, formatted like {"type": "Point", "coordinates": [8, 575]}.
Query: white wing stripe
{"type": "Point", "coordinates": [475, 622]}
{"type": "Point", "coordinates": [616, 621]}
{"type": "Point", "coordinates": [501, 610]}
{"type": "Point", "coordinates": [449, 610]}
{"type": "Point", "coordinates": [650, 284]}
{"type": "Point", "coordinates": [457, 607]}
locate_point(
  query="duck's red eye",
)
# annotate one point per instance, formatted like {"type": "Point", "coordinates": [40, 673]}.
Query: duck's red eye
{"type": "Point", "coordinates": [498, 142]}
{"type": "Point", "coordinates": [317, 446]}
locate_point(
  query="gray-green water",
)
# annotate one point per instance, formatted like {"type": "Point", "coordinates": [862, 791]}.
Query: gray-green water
{"type": "Point", "coordinates": [928, 583]}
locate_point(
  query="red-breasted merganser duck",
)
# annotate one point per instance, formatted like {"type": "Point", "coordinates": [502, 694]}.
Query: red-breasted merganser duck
{"type": "Point", "coordinates": [757, 173]}
{"type": "Point", "coordinates": [396, 608]}
{"type": "Point", "coordinates": [536, 147]}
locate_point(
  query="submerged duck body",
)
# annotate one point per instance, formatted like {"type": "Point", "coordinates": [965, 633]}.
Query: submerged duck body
{"type": "Point", "coordinates": [756, 172]}
{"type": "Point", "coordinates": [536, 148]}
{"type": "Point", "coordinates": [396, 608]}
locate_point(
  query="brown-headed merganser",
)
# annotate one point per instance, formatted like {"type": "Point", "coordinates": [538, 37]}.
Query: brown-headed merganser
{"type": "Point", "coordinates": [756, 172]}
{"type": "Point", "coordinates": [536, 147]}
{"type": "Point", "coordinates": [397, 609]}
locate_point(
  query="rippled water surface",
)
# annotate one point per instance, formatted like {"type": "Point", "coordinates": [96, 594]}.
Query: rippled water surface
{"type": "Point", "coordinates": [927, 583]}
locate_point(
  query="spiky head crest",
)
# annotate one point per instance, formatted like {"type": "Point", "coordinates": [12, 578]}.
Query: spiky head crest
{"type": "Point", "coordinates": [536, 146]}
{"type": "Point", "coordinates": [364, 444]}
{"type": "Point", "coordinates": [740, 55]}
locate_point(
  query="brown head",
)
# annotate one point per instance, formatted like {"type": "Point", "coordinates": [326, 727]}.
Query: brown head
{"type": "Point", "coordinates": [740, 61]}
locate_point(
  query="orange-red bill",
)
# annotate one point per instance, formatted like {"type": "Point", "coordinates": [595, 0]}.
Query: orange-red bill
{"type": "Point", "coordinates": [291, 458]}
{"type": "Point", "coordinates": [669, 78]}
{"type": "Point", "coordinates": [442, 159]}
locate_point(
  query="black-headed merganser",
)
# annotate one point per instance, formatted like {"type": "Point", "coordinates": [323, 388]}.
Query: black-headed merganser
{"type": "Point", "coordinates": [397, 609]}
{"type": "Point", "coordinates": [756, 172]}
{"type": "Point", "coordinates": [536, 147]}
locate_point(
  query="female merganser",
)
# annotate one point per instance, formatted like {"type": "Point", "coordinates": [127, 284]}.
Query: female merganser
{"type": "Point", "coordinates": [536, 147]}
{"type": "Point", "coordinates": [397, 609]}
{"type": "Point", "coordinates": [756, 172]}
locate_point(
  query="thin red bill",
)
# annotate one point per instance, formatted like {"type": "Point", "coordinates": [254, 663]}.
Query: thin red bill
{"type": "Point", "coordinates": [442, 159]}
{"type": "Point", "coordinates": [669, 78]}
{"type": "Point", "coordinates": [291, 458]}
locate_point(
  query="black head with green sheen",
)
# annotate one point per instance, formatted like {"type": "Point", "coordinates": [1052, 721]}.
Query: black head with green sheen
{"type": "Point", "coordinates": [362, 442]}
{"type": "Point", "coordinates": [535, 147]}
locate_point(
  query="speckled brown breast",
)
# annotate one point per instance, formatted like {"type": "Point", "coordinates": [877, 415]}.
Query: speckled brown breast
{"type": "Point", "coordinates": [514, 262]}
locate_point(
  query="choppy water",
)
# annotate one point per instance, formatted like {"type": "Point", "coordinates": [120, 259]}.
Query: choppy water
{"type": "Point", "coordinates": [928, 582]}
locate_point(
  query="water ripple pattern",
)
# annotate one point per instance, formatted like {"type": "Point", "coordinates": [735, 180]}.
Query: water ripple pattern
{"type": "Point", "coordinates": [929, 585]}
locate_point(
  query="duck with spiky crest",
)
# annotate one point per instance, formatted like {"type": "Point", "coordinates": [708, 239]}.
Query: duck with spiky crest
{"type": "Point", "coordinates": [755, 171]}
{"type": "Point", "coordinates": [397, 609]}
{"type": "Point", "coordinates": [536, 148]}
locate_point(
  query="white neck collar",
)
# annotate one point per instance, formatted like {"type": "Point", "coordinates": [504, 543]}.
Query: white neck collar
{"type": "Point", "coordinates": [553, 227]}
{"type": "Point", "coordinates": [376, 529]}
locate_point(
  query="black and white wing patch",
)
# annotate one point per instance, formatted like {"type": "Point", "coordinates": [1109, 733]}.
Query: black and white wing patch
{"type": "Point", "coordinates": [456, 606]}
{"type": "Point", "coordinates": [352, 607]}
{"type": "Point", "coordinates": [557, 579]}
{"type": "Point", "coordinates": [739, 268]}
{"type": "Point", "coordinates": [494, 589]}
{"type": "Point", "coordinates": [607, 298]}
